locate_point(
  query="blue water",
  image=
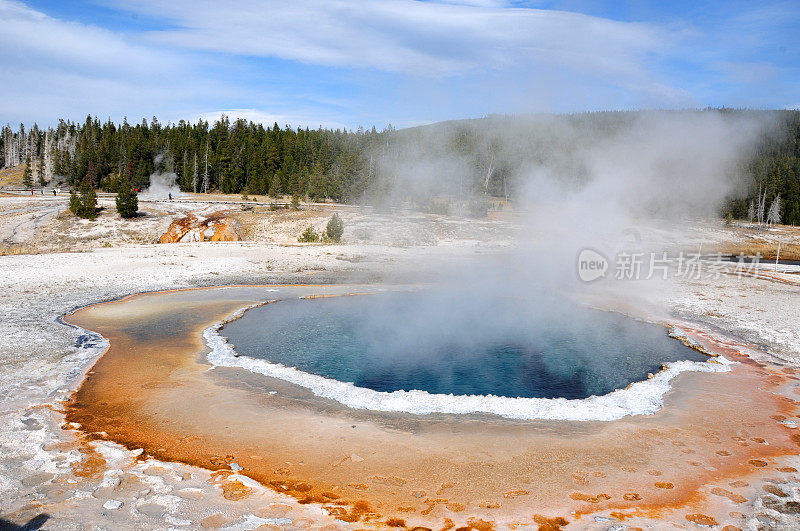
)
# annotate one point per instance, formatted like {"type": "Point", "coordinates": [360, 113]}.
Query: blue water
{"type": "Point", "coordinates": [447, 343]}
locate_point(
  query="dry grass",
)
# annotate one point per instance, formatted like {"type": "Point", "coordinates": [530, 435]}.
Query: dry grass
{"type": "Point", "coordinates": [767, 250]}
{"type": "Point", "coordinates": [12, 250]}
{"type": "Point", "coordinates": [283, 225]}
{"type": "Point", "coordinates": [12, 176]}
{"type": "Point", "coordinates": [249, 223]}
{"type": "Point", "coordinates": [27, 250]}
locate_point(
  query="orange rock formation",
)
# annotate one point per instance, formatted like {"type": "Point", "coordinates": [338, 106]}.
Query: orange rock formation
{"type": "Point", "coordinates": [217, 227]}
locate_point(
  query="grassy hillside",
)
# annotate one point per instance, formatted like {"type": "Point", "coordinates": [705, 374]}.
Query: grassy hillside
{"type": "Point", "coordinates": [12, 176]}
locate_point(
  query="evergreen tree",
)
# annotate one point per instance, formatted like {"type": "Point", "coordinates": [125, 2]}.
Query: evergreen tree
{"type": "Point", "coordinates": [91, 174]}
{"type": "Point", "coordinates": [335, 228]}
{"type": "Point", "coordinates": [127, 200]}
{"type": "Point", "coordinates": [89, 197]}
{"type": "Point", "coordinates": [317, 190]}
{"type": "Point", "coordinates": [275, 186]}
{"type": "Point", "coordinates": [205, 172]}
{"type": "Point", "coordinates": [308, 236]}
{"type": "Point", "coordinates": [296, 199]}
{"type": "Point", "coordinates": [83, 203]}
{"type": "Point", "coordinates": [27, 180]}
{"type": "Point", "coordinates": [40, 173]}
{"type": "Point", "coordinates": [194, 174]}
{"type": "Point", "coordinates": [74, 202]}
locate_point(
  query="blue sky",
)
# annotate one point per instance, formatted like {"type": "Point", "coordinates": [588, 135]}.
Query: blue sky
{"type": "Point", "coordinates": [342, 63]}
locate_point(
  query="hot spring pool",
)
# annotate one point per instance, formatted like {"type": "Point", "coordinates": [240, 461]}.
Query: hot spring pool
{"type": "Point", "coordinates": [445, 345]}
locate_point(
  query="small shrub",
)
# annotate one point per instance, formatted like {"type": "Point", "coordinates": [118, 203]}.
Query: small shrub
{"type": "Point", "coordinates": [127, 200]}
{"type": "Point", "coordinates": [84, 203]}
{"type": "Point", "coordinates": [308, 236]}
{"type": "Point", "coordinates": [74, 202]}
{"type": "Point", "coordinates": [335, 228]}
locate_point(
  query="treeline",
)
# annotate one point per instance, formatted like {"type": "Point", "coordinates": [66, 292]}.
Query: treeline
{"type": "Point", "coordinates": [774, 169]}
{"type": "Point", "coordinates": [458, 161]}
{"type": "Point", "coordinates": [230, 157]}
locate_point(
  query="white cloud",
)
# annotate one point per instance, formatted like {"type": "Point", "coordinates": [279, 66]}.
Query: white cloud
{"type": "Point", "coordinates": [268, 119]}
{"type": "Point", "coordinates": [51, 68]}
{"type": "Point", "coordinates": [30, 38]}
{"type": "Point", "coordinates": [346, 62]}
{"type": "Point", "coordinates": [412, 37]}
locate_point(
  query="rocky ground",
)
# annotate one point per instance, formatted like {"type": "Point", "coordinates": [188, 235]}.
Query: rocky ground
{"type": "Point", "coordinates": [43, 223]}
{"type": "Point", "coordinates": [55, 262]}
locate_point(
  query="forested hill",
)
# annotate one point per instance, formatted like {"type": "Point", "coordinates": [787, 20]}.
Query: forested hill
{"type": "Point", "coordinates": [231, 157]}
{"type": "Point", "coordinates": [459, 159]}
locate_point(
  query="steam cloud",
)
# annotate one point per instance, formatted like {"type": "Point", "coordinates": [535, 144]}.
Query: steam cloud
{"type": "Point", "coordinates": [615, 183]}
{"type": "Point", "coordinates": [599, 181]}
{"type": "Point", "coordinates": [163, 181]}
{"type": "Point", "coordinates": [633, 186]}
